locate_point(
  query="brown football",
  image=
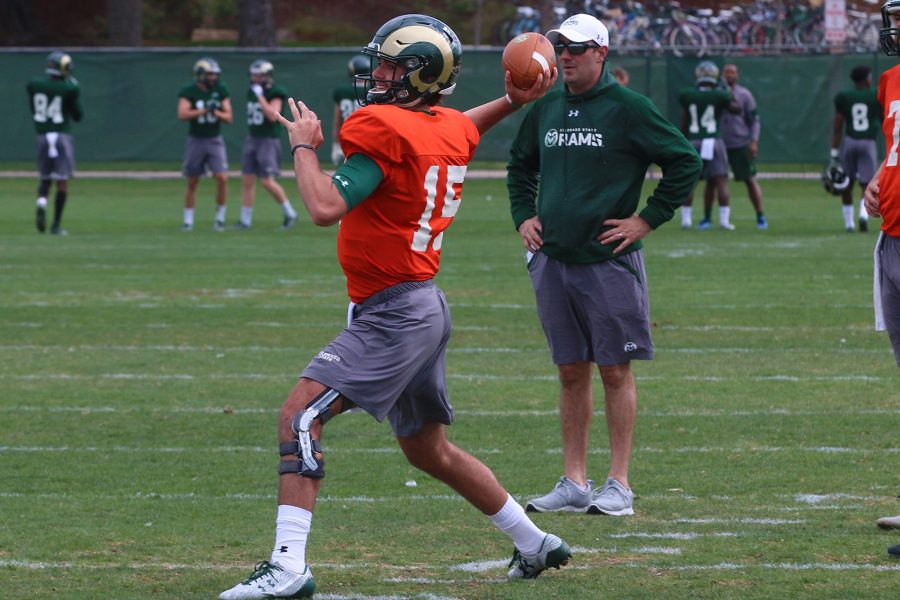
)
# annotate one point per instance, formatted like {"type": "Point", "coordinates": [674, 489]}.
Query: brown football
{"type": "Point", "coordinates": [526, 56]}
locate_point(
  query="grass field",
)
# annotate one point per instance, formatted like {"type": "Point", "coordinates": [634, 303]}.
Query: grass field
{"type": "Point", "coordinates": [141, 372]}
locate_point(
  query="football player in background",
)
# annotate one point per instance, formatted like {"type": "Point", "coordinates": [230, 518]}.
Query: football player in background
{"type": "Point", "coordinates": [345, 103]}
{"type": "Point", "coordinates": [395, 195]}
{"type": "Point", "coordinates": [54, 104]}
{"type": "Point", "coordinates": [205, 104]}
{"type": "Point", "coordinates": [882, 199]}
{"type": "Point", "coordinates": [701, 115]}
{"type": "Point", "coordinates": [261, 157]}
{"type": "Point", "coordinates": [857, 117]}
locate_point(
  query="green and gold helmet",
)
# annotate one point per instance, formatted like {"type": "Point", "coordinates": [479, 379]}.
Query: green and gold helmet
{"type": "Point", "coordinates": [427, 50]}
{"type": "Point", "coordinates": [59, 64]}
{"type": "Point", "coordinates": [890, 33]}
{"type": "Point", "coordinates": [262, 72]}
{"type": "Point", "coordinates": [206, 71]}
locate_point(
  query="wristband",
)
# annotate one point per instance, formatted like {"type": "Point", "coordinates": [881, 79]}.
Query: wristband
{"type": "Point", "coordinates": [307, 146]}
{"type": "Point", "coordinates": [515, 105]}
{"type": "Point", "coordinates": [834, 153]}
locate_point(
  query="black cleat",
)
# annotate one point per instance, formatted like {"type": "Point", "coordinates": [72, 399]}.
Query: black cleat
{"type": "Point", "coordinates": [863, 225]}
{"type": "Point", "coordinates": [41, 219]}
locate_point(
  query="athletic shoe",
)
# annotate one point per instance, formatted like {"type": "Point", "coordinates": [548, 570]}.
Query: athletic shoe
{"type": "Point", "coordinates": [863, 225]}
{"type": "Point", "coordinates": [889, 522]}
{"type": "Point", "coordinates": [187, 227]}
{"type": "Point", "coordinates": [219, 226]}
{"type": "Point", "coordinates": [57, 230]}
{"type": "Point", "coordinates": [612, 499]}
{"type": "Point", "coordinates": [850, 229]}
{"type": "Point", "coordinates": [288, 222]}
{"type": "Point", "coordinates": [41, 219]}
{"type": "Point", "coordinates": [761, 223]}
{"type": "Point", "coordinates": [554, 553]}
{"type": "Point", "coordinates": [726, 226]}
{"type": "Point", "coordinates": [270, 580]}
{"type": "Point", "coordinates": [241, 226]}
{"type": "Point", "coordinates": [566, 496]}
{"type": "Point", "coordinates": [704, 225]}
{"type": "Point", "coordinates": [894, 551]}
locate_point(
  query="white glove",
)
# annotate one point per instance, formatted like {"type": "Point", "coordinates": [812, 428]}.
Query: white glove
{"type": "Point", "coordinates": [257, 89]}
{"type": "Point", "coordinates": [337, 155]}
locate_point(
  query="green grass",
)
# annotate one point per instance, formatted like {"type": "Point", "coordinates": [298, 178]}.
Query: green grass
{"type": "Point", "coordinates": [141, 372]}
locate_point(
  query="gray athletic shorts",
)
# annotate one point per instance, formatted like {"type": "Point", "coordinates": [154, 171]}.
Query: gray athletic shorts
{"type": "Point", "coordinates": [390, 359]}
{"type": "Point", "coordinates": [597, 312]}
{"type": "Point", "coordinates": [63, 166]}
{"type": "Point", "coordinates": [890, 290]}
{"type": "Point", "coordinates": [718, 166]}
{"type": "Point", "coordinates": [859, 158]}
{"type": "Point", "coordinates": [204, 154]}
{"type": "Point", "coordinates": [261, 157]}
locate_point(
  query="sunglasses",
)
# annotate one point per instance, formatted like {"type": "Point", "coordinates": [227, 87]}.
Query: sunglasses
{"type": "Point", "coordinates": [574, 48]}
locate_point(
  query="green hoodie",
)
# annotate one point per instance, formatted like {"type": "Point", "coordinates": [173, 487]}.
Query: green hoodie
{"type": "Point", "coordinates": [580, 159]}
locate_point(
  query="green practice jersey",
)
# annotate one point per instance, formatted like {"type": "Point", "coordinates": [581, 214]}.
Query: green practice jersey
{"type": "Point", "coordinates": [345, 99]}
{"type": "Point", "coordinates": [704, 110]}
{"type": "Point", "coordinates": [861, 112]}
{"type": "Point", "coordinates": [53, 103]}
{"type": "Point", "coordinates": [207, 124]}
{"type": "Point", "coordinates": [257, 124]}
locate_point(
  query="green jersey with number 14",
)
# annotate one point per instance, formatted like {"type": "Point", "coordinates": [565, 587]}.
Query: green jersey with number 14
{"type": "Point", "coordinates": [704, 110]}
{"type": "Point", "coordinates": [53, 103]}
{"type": "Point", "coordinates": [861, 112]}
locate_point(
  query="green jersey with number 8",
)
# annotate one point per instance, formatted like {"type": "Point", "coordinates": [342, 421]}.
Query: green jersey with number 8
{"type": "Point", "coordinates": [53, 103]}
{"type": "Point", "coordinates": [861, 112]}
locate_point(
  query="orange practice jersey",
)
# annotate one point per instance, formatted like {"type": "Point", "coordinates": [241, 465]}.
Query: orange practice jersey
{"type": "Point", "coordinates": [889, 182]}
{"type": "Point", "coordinates": [395, 234]}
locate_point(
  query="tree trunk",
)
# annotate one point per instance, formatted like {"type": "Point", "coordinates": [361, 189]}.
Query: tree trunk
{"type": "Point", "coordinates": [257, 24]}
{"type": "Point", "coordinates": [125, 24]}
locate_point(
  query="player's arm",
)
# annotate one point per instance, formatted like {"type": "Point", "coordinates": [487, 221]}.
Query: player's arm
{"type": "Point", "coordinates": [871, 194]}
{"type": "Point", "coordinates": [269, 107]}
{"type": "Point", "coordinates": [224, 112]}
{"type": "Point", "coordinates": [186, 112]}
{"type": "Point", "coordinates": [336, 124]}
{"type": "Point", "coordinates": [837, 129]}
{"type": "Point", "coordinates": [489, 114]}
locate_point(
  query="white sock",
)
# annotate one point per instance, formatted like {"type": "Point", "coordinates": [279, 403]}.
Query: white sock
{"type": "Point", "coordinates": [863, 213]}
{"type": "Point", "coordinates": [724, 215]}
{"type": "Point", "coordinates": [848, 214]}
{"type": "Point", "coordinates": [291, 530]}
{"type": "Point", "coordinates": [288, 209]}
{"type": "Point", "coordinates": [686, 217]}
{"type": "Point", "coordinates": [247, 215]}
{"type": "Point", "coordinates": [220, 212]}
{"type": "Point", "coordinates": [513, 521]}
{"type": "Point", "coordinates": [189, 216]}
{"type": "Point", "coordinates": [42, 202]}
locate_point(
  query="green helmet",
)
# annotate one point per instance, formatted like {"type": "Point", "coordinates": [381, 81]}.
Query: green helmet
{"type": "Point", "coordinates": [59, 64]}
{"type": "Point", "coordinates": [359, 65]}
{"type": "Point", "coordinates": [890, 32]}
{"type": "Point", "coordinates": [262, 72]}
{"type": "Point", "coordinates": [706, 73]}
{"type": "Point", "coordinates": [426, 49]}
{"type": "Point", "coordinates": [206, 70]}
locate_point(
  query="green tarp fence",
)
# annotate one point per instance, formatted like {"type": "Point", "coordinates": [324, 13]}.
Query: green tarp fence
{"type": "Point", "coordinates": [130, 97]}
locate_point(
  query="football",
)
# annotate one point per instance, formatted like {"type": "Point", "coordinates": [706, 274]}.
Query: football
{"type": "Point", "coordinates": [526, 56]}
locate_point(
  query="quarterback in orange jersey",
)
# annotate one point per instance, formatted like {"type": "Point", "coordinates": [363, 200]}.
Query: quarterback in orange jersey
{"type": "Point", "coordinates": [395, 195]}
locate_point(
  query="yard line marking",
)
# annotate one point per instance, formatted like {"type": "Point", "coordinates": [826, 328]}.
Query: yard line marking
{"type": "Point", "coordinates": [743, 521]}
{"type": "Point", "coordinates": [777, 566]}
{"type": "Point", "coordinates": [673, 536]}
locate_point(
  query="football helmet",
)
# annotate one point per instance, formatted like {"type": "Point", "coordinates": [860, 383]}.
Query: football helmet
{"type": "Point", "coordinates": [707, 73]}
{"type": "Point", "coordinates": [206, 71]}
{"type": "Point", "coordinates": [890, 11]}
{"type": "Point", "coordinates": [835, 179]}
{"type": "Point", "coordinates": [262, 72]}
{"type": "Point", "coordinates": [59, 64]}
{"type": "Point", "coordinates": [428, 52]}
{"type": "Point", "coordinates": [359, 65]}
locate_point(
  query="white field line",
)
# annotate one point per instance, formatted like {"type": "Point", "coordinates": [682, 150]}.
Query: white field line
{"type": "Point", "coordinates": [818, 566]}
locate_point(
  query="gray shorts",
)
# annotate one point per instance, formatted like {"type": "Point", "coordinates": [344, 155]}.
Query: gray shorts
{"type": "Point", "coordinates": [390, 359]}
{"type": "Point", "coordinates": [890, 290]}
{"type": "Point", "coordinates": [597, 312]}
{"type": "Point", "coordinates": [859, 158]}
{"type": "Point", "coordinates": [63, 165]}
{"type": "Point", "coordinates": [718, 165]}
{"type": "Point", "coordinates": [204, 154]}
{"type": "Point", "coordinates": [261, 157]}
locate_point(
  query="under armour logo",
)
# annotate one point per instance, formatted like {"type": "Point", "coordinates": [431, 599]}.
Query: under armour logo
{"type": "Point", "coordinates": [630, 347]}
{"type": "Point", "coordinates": [573, 113]}
{"type": "Point", "coordinates": [283, 549]}
{"type": "Point", "coordinates": [341, 180]}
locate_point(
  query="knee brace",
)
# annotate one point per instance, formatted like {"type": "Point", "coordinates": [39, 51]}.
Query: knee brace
{"type": "Point", "coordinates": [305, 447]}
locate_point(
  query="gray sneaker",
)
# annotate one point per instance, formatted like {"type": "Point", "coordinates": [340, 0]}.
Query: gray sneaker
{"type": "Point", "coordinates": [270, 580]}
{"type": "Point", "coordinates": [566, 496]}
{"type": "Point", "coordinates": [554, 553]}
{"type": "Point", "coordinates": [612, 499]}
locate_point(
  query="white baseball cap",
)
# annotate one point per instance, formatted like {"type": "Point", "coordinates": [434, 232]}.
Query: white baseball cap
{"type": "Point", "coordinates": [581, 28]}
